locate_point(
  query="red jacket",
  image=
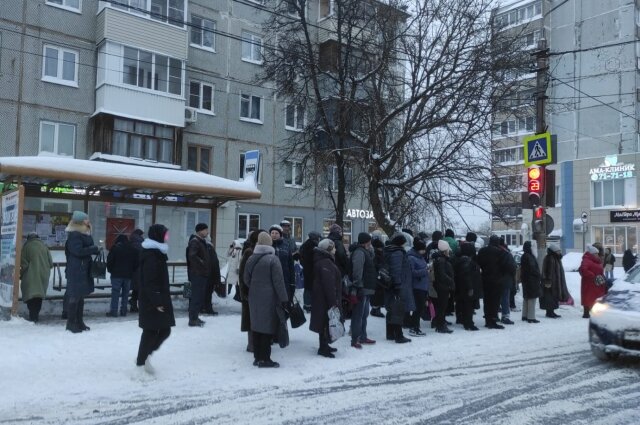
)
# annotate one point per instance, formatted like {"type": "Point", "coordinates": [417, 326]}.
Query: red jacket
{"type": "Point", "coordinates": [589, 269]}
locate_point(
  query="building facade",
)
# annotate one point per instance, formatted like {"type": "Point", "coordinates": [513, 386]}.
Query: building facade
{"type": "Point", "coordinates": [168, 84]}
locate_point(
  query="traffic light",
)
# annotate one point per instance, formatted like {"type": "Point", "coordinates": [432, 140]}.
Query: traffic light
{"type": "Point", "coordinates": [535, 185]}
{"type": "Point", "coordinates": [538, 219]}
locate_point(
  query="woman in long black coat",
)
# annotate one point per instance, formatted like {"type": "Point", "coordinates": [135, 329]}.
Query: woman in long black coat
{"type": "Point", "coordinates": [156, 310]}
{"type": "Point", "coordinates": [78, 251]}
{"type": "Point", "coordinates": [327, 292]}
{"type": "Point", "coordinates": [245, 318]}
{"type": "Point", "coordinates": [531, 279]}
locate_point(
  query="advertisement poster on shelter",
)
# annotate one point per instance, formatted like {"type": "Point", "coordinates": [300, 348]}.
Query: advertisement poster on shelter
{"type": "Point", "coordinates": [10, 232]}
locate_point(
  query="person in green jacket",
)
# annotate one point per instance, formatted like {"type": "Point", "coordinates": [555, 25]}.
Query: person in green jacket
{"type": "Point", "coordinates": [450, 238]}
{"type": "Point", "coordinates": [35, 268]}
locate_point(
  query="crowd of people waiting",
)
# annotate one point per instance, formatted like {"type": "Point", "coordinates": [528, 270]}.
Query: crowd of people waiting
{"type": "Point", "coordinates": [414, 278]}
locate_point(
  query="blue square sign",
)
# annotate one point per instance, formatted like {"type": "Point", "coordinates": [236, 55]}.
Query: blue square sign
{"type": "Point", "coordinates": [537, 149]}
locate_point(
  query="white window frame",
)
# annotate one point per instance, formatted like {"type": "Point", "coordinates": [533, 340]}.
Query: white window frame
{"type": "Point", "coordinates": [328, 15]}
{"type": "Point", "coordinates": [334, 179]}
{"type": "Point", "coordinates": [154, 57]}
{"type": "Point", "coordinates": [296, 167]}
{"type": "Point", "coordinates": [602, 194]}
{"type": "Point", "coordinates": [248, 228]}
{"type": "Point", "coordinates": [250, 100]}
{"type": "Point", "coordinates": [200, 108]}
{"type": "Point", "coordinates": [293, 221]}
{"type": "Point", "coordinates": [202, 31]}
{"type": "Point", "coordinates": [297, 125]}
{"type": "Point", "coordinates": [251, 38]}
{"type": "Point", "coordinates": [60, 64]}
{"type": "Point", "coordinates": [56, 140]}
{"type": "Point", "coordinates": [64, 6]}
{"type": "Point", "coordinates": [241, 164]}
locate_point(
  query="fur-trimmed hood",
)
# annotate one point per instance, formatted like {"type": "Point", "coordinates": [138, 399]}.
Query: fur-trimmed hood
{"type": "Point", "coordinates": [151, 244]}
{"type": "Point", "coordinates": [78, 227]}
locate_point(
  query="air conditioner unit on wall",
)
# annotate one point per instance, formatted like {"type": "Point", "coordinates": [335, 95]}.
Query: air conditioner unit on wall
{"type": "Point", "coordinates": [190, 114]}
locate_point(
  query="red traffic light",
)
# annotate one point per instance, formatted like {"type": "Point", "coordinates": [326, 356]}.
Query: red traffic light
{"type": "Point", "coordinates": [538, 213]}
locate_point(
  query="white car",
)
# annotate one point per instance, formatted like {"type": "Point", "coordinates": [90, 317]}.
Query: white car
{"type": "Point", "coordinates": [614, 327]}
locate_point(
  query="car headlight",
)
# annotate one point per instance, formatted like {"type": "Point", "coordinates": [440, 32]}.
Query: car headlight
{"type": "Point", "coordinates": [599, 307]}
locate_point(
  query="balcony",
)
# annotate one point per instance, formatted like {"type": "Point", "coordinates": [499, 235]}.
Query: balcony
{"type": "Point", "coordinates": [142, 32]}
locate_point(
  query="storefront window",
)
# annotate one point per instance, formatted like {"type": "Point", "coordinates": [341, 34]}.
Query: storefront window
{"type": "Point", "coordinates": [346, 229]}
{"type": "Point", "coordinates": [48, 217]}
{"type": "Point", "coordinates": [618, 238]}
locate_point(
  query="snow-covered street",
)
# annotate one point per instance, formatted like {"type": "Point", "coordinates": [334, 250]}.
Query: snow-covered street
{"type": "Point", "coordinates": [526, 374]}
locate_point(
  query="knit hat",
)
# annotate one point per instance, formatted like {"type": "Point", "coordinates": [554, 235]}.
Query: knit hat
{"type": "Point", "coordinates": [326, 244]}
{"type": "Point", "coordinates": [138, 232]}
{"type": "Point", "coordinates": [398, 239]}
{"type": "Point", "coordinates": [201, 226]}
{"type": "Point", "coordinates": [314, 235]}
{"type": "Point", "coordinates": [592, 250]}
{"type": "Point", "coordinates": [471, 237]}
{"type": "Point", "coordinates": [276, 227]}
{"type": "Point", "coordinates": [264, 239]}
{"type": "Point", "coordinates": [156, 232]}
{"type": "Point", "coordinates": [79, 216]}
{"type": "Point", "coordinates": [285, 223]}
{"type": "Point", "coordinates": [423, 236]}
{"type": "Point", "coordinates": [443, 246]}
{"type": "Point", "coordinates": [449, 233]}
{"type": "Point", "coordinates": [419, 245]}
{"type": "Point", "coordinates": [335, 228]}
{"type": "Point", "coordinates": [436, 236]}
{"type": "Point", "coordinates": [555, 248]}
{"type": "Point", "coordinates": [377, 243]}
{"type": "Point", "coordinates": [363, 238]}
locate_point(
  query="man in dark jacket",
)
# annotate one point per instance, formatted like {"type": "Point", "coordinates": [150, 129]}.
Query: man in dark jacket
{"type": "Point", "coordinates": [492, 260]}
{"type": "Point", "coordinates": [342, 261]}
{"type": "Point", "coordinates": [399, 297]}
{"type": "Point", "coordinates": [288, 237]}
{"type": "Point", "coordinates": [78, 250]}
{"type": "Point", "coordinates": [467, 278]}
{"type": "Point", "coordinates": [306, 259]}
{"type": "Point", "coordinates": [363, 277]}
{"type": "Point", "coordinates": [284, 254]}
{"type": "Point", "coordinates": [444, 284]}
{"type": "Point", "coordinates": [136, 240]}
{"type": "Point", "coordinates": [199, 271]}
{"type": "Point", "coordinates": [121, 263]}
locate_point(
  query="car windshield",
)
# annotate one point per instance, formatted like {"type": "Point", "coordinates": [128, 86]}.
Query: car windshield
{"type": "Point", "coordinates": [633, 276]}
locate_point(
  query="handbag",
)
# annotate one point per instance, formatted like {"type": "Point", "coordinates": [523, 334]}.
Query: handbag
{"type": "Point", "coordinates": [336, 327]}
{"type": "Point", "coordinates": [99, 266]}
{"type": "Point", "coordinates": [395, 312]}
{"type": "Point", "coordinates": [282, 332]}
{"type": "Point", "coordinates": [296, 314]}
{"type": "Point", "coordinates": [384, 277]}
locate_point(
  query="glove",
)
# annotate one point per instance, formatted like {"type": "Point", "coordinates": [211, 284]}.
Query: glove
{"type": "Point", "coordinates": [285, 306]}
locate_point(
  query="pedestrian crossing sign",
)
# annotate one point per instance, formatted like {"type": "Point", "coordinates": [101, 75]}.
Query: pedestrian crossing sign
{"type": "Point", "coordinates": [537, 149]}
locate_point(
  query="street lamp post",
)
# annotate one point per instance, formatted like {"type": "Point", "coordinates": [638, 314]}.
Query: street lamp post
{"type": "Point", "coordinates": [584, 217]}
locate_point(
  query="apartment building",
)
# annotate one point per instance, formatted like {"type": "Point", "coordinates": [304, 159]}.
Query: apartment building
{"type": "Point", "coordinates": [169, 84]}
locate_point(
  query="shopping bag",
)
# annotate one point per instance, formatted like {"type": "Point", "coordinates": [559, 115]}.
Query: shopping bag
{"type": "Point", "coordinates": [296, 314]}
{"type": "Point", "coordinates": [336, 327]}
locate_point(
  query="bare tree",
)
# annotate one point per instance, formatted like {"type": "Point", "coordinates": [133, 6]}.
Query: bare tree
{"type": "Point", "coordinates": [397, 94]}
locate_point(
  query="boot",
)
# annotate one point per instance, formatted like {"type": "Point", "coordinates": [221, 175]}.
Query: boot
{"type": "Point", "coordinates": [375, 311]}
{"type": "Point", "coordinates": [72, 317]}
{"type": "Point", "coordinates": [80, 316]}
{"type": "Point", "coordinates": [585, 314]}
{"type": "Point", "coordinates": [400, 338]}
{"type": "Point", "coordinates": [391, 333]}
{"type": "Point", "coordinates": [250, 342]}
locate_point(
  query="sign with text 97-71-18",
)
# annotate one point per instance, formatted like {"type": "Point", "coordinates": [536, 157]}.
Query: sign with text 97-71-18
{"type": "Point", "coordinates": [537, 149]}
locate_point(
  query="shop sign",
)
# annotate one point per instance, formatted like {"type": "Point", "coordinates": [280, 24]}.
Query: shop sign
{"type": "Point", "coordinates": [355, 213]}
{"type": "Point", "coordinates": [624, 216]}
{"type": "Point", "coordinates": [611, 169]}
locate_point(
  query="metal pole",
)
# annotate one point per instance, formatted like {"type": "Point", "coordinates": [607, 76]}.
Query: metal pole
{"type": "Point", "coordinates": [542, 55]}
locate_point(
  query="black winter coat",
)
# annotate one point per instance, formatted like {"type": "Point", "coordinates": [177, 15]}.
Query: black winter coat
{"type": "Point", "coordinates": [327, 289]}
{"type": "Point", "coordinates": [443, 273]}
{"type": "Point", "coordinates": [628, 260]}
{"type": "Point", "coordinates": [306, 259]}
{"type": "Point", "coordinates": [342, 260]}
{"type": "Point", "coordinates": [284, 254]}
{"type": "Point", "coordinates": [530, 276]}
{"type": "Point", "coordinates": [136, 242]}
{"type": "Point", "coordinates": [199, 258]}
{"type": "Point", "coordinates": [495, 264]}
{"type": "Point", "coordinates": [466, 276]}
{"type": "Point", "coordinates": [78, 250]}
{"type": "Point", "coordinates": [122, 260]}
{"type": "Point", "coordinates": [154, 289]}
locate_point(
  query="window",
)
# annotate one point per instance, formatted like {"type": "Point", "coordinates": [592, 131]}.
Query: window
{"type": "Point", "coordinates": [293, 174]}
{"type": "Point", "coordinates": [199, 159]}
{"type": "Point", "coordinates": [72, 5]}
{"type": "Point", "coordinates": [326, 8]}
{"type": "Point", "coordinates": [508, 155]}
{"type": "Point", "coordinates": [618, 238]}
{"type": "Point", "coordinates": [169, 11]}
{"type": "Point", "coordinates": [133, 6]}
{"type": "Point", "coordinates": [60, 66]}
{"type": "Point", "coordinates": [526, 124]}
{"type": "Point", "coordinates": [608, 193]}
{"type": "Point", "coordinates": [151, 71]}
{"type": "Point", "coordinates": [346, 229]}
{"type": "Point", "coordinates": [195, 216]}
{"type": "Point", "coordinates": [201, 96]}
{"type": "Point", "coordinates": [251, 47]}
{"type": "Point", "coordinates": [247, 223]}
{"type": "Point", "coordinates": [297, 232]}
{"type": "Point", "coordinates": [251, 108]}
{"type": "Point", "coordinates": [332, 179]}
{"type": "Point", "coordinates": [57, 138]}
{"type": "Point", "coordinates": [203, 33]}
{"type": "Point", "coordinates": [293, 6]}
{"type": "Point", "coordinates": [517, 16]}
{"type": "Point", "coordinates": [531, 39]}
{"type": "Point", "coordinates": [242, 167]}
{"type": "Point", "coordinates": [143, 140]}
{"type": "Point", "coordinates": [294, 117]}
